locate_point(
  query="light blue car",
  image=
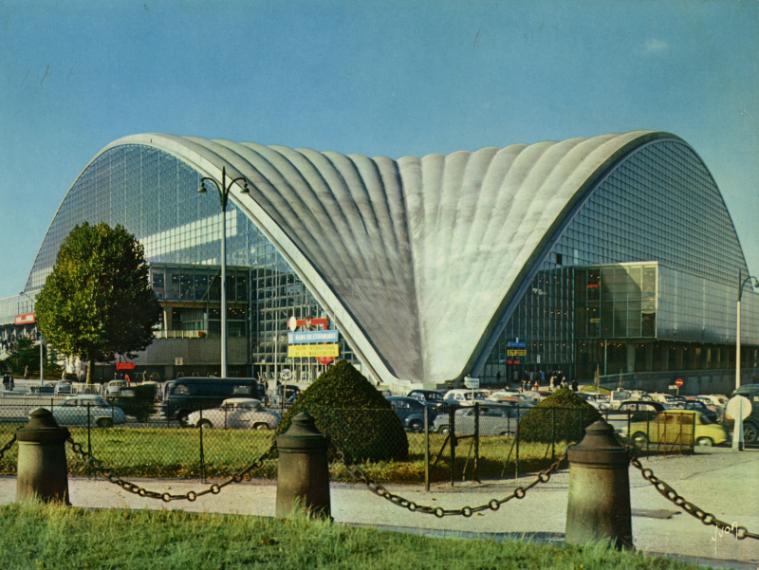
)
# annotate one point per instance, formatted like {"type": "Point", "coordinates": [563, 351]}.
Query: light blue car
{"type": "Point", "coordinates": [87, 409]}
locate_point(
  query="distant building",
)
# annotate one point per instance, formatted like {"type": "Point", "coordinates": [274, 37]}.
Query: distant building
{"type": "Point", "coordinates": [613, 252]}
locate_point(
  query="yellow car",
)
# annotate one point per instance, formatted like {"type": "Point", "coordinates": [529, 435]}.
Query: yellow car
{"type": "Point", "coordinates": [678, 427]}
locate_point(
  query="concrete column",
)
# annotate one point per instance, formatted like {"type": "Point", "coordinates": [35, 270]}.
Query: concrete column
{"type": "Point", "coordinates": [630, 356]}
{"type": "Point", "coordinates": [42, 469]}
{"type": "Point", "coordinates": [598, 507]}
{"type": "Point", "coordinates": [303, 471]}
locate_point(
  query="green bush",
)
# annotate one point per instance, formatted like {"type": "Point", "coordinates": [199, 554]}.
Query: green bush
{"type": "Point", "coordinates": [562, 416]}
{"type": "Point", "coordinates": [353, 414]}
{"type": "Point", "coordinates": [140, 405]}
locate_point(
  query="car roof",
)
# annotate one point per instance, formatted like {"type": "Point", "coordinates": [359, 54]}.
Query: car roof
{"type": "Point", "coordinates": [241, 401]}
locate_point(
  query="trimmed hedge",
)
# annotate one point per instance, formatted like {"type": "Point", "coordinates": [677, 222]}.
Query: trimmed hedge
{"type": "Point", "coordinates": [353, 414]}
{"type": "Point", "coordinates": [562, 416]}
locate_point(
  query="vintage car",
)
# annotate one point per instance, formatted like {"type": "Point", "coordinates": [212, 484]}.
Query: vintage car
{"type": "Point", "coordinates": [236, 413]}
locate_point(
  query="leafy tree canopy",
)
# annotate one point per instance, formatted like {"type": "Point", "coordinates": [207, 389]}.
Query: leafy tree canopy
{"type": "Point", "coordinates": [98, 301]}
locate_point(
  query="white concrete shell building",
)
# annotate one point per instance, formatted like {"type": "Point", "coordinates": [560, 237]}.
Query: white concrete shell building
{"type": "Point", "coordinates": [614, 251]}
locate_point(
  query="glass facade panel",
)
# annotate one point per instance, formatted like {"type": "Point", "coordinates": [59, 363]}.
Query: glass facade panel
{"type": "Point", "coordinates": [154, 196]}
{"type": "Point", "coordinates": [658, 204]}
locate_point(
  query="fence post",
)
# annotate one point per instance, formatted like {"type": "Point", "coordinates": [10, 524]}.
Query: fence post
{"type": "Point", "coordinates": [598, 507]}
{"type": "Point", "coordinates": [452, 440]}
{"type": "Point", "coordinates": [89, 429]}
{"type": "Point", "coordinates": [41, 466]}
{"type": "Point", "coordinates": [519, 422]}
{"type": "Point", "coordinates": [553, 434]}
{"type": "Point", "coordinates": [426, 448]}
{"type": "Point", "coordinates": [303, 472]}
{"type": "Point", "coordinates": [476, 474]}
{"type": "Point", "coordinates": [202, 449]}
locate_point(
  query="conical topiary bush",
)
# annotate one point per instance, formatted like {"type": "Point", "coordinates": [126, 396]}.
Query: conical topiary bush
{"type": "Point", "coordinates": [353, 414]}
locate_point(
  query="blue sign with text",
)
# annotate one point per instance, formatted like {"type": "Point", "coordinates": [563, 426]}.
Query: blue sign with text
{"type": "Point", "coordinates": [311, 337]}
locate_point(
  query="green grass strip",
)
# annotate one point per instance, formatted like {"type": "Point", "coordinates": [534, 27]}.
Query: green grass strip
{"type": "Point", "coordinates": [50, 537]}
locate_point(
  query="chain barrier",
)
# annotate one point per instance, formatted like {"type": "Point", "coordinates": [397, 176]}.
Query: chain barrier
{"type": "Point", "coordinates": [7, 446]}
{"type": "Point", "coordinates": [215, 489]}
{"type": "Point", "coordinates": [707, 518]}
{"type": "Point", "coordinates": [492, 505]}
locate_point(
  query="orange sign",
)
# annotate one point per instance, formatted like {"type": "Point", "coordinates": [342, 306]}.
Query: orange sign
{"type": "Point", "coordinates": [25, 319]}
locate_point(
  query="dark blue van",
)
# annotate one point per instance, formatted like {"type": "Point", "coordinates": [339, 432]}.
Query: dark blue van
{"type": "Point", "coordinates": [184, 395]}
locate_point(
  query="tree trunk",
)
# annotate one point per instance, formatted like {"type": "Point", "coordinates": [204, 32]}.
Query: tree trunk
{"type": "Point", "coordinates": [90, 368]}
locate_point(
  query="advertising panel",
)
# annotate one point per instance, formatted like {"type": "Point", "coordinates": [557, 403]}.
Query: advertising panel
{"type": "Point", "coordinates": [313, 350]}
{"type": "Point", "coordinates": [311, 337]}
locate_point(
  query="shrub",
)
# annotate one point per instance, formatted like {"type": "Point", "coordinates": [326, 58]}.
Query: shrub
{"type": "Point", "coordinates": [353, 414]}
{"type": "Point", "coordinates": [562, 416]}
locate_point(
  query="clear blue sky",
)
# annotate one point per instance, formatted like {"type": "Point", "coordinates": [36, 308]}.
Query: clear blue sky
{"type": "Point", "coordinates": [378, 78]}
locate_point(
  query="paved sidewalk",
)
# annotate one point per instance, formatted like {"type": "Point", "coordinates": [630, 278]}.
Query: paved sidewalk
{"type": "Point", "coordinates": [719, 481]}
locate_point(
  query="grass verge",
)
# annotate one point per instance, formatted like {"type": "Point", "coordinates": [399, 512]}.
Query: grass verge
{"type": "Point", "coordinates": [50, 537]}
{"type": "Point", "coordinates": [175, 452]}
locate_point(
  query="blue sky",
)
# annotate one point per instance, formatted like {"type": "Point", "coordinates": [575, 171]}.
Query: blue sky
{"type": "Point", "coordinates": [377, 78]}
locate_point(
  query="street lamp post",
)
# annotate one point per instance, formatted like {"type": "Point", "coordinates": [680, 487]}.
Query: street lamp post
{"type": "Point", "coordinates": [738, 425]}
{"type": "Point", "coordinates": [223, 189]}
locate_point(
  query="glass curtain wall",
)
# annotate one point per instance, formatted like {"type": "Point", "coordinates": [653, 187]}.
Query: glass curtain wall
{"type": "Point", "coordinates": [657, 204]}
{"type": "Point", "coordinates": [154, 196]}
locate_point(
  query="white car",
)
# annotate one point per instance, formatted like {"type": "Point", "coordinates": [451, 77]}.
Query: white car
{"type": "Point", "coordinates": [236, 413]}
{"type": "Point", "coordinates": [464, 397]}
{"type": "Point", "coordinates": [87, 409]}
{"type": "Point", "coordinates": [505, 396]}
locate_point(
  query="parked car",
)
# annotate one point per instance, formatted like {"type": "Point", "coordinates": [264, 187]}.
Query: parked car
{"type": "Point", "coordinates": [495, 419]}
{"type": "Point", "coordinates": [750, 424]}
{"type": "Point", "coordinates": [505, 396]}
{"type": "Point", "coordinates": [411, 412]}
{"type": "Point", "coordinates": [702, 408]}
{"type": "Point", "coordinates": [236, 413]}
{"type": "Point", "coordinates": [184, 395]}
{"type": "Point", "coordinates": [62, 387]}
{"type": "Point", "coordinates": [114, 388]}
{"type": "Point", "coordinates": [678, 427]}
{"type": "Point", "coordinates": [429, 397]}
{"type": "Point", "coordinates": [464, 397]}
{"type": "Point", "coordinates": [633, 411]}
{"type": "Point", "coordinates": [87, 409]}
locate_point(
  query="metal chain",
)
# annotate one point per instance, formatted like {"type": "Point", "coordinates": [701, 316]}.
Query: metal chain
{"type": "Point", "coordinates": [707, 518]}
{"type": "Point", "coordinates": [214, 489]}
{"type": "Point", "coordinates": [492, 505]}
{"type": "Point", "coordinates": [7, 446]}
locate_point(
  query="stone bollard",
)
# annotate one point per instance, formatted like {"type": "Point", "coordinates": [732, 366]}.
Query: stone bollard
{"type": "Point", "coordinates": [599, 489]}
{"type": "Point", "coordinates": [303, 472]}
{"type": "Point", "coordinates": [42, 472]}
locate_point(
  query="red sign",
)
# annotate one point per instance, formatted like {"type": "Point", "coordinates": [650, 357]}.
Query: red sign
{"type": "Point", "coordinates": [315, 323]}
{"type": "Point", "coordinates": [25, 319]}
{"type": "Point", "coordinates": [679, 382]}
{"type": "Point", "coordinates": [325, 360]}
{"type": "Point", "coordinates": [125, 366]}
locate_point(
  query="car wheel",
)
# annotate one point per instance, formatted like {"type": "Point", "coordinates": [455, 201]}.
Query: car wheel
{"type": "Point", "coordinates": [640, 439]}
{"type": "Point", "coordinates": [445, 430]}
{"type": "Point", "coordinates": [260, 426]}
{"type": "Point", "coordinates": [104, 422]}
{"type": "Point", "coordinates": [205, 424]}
{"type": "Point", "coordinates": [705, 442]}
{"type": "Point", "coordinates": [750, 433]}
{"type": "Point", "coordinates": [415, 425]}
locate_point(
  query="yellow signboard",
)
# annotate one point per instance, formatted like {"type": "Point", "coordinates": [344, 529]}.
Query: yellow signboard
{"type": "Point", "coordinates": [516, 352]}
{"type": "Point", "coordinates": [313, 350]}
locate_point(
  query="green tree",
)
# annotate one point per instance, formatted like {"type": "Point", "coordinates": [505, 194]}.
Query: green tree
{"type": "Point", "coordinates": [97, 301]}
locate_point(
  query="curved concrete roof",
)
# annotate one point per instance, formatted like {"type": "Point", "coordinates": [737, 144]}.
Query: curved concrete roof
{"type": "Point", "coordinates": [415, 258]}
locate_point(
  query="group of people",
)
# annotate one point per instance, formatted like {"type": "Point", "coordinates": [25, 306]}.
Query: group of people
{"type": "Point", "coordinates": [8, 382]}
{"type": "Point", "coordinates": [556, 379]}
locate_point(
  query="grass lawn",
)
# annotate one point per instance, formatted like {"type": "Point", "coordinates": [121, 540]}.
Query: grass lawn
{"type": "Point", "coordinates": [175, 452]}
{"type": "Point", "coordinates": [49, 537]}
